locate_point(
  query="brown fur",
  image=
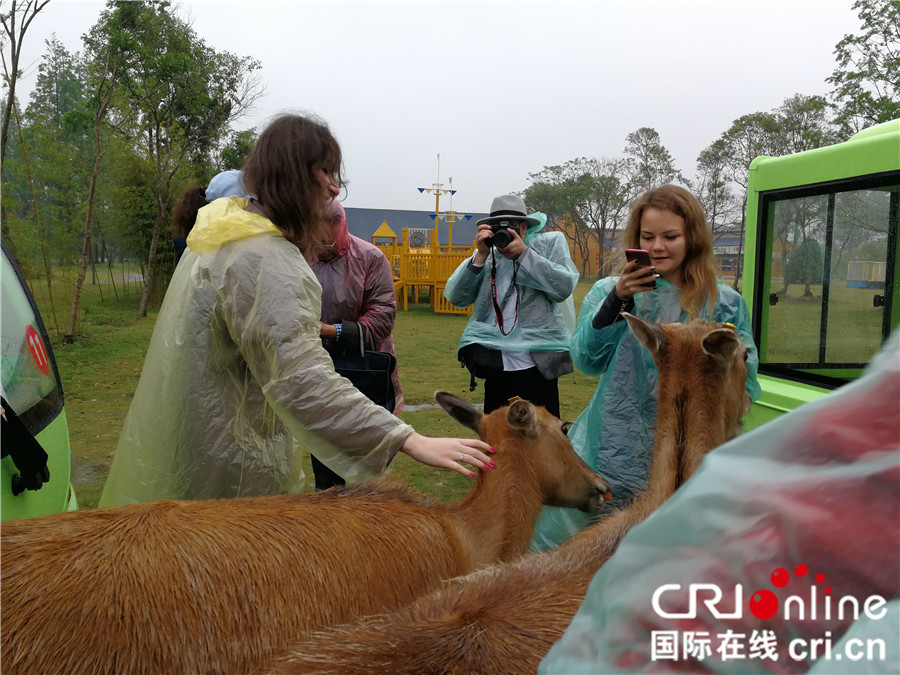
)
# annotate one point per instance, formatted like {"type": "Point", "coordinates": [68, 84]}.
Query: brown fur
{"type": "Point", "coordinates": [218, 586]}
{"type": "Point", "coordinates": [504, 619]}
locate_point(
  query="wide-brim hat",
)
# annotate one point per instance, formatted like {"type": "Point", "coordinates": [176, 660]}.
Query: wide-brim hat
{"type": "Point", "coordinates": [509, 207]}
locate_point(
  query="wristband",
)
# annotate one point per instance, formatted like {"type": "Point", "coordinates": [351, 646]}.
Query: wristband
{"type": "Point", "coordinates": [338, 327]}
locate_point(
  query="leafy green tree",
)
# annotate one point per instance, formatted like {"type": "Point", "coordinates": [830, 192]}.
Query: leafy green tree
{"type": "Point", "coordinates": [650, 163]}
{"type": "Point", "coordinates": [555, 194]}
{"type": "Point", "coordinates": [16, 19]}
{"type": "Point", "coordinates": [805, 266]}
{"type": "Point", "coordinates": [801, 123]}
{"type": "Point", "coordinates": [592, 193]}
{"type": "Point", "coordinates": [867, 77]}
{"type": "Point", "coordinates": [183, 94]}
{"type": "Point", "coordinates": [58, 146]}
{"type": "Point", "coordinates": [237, 148]}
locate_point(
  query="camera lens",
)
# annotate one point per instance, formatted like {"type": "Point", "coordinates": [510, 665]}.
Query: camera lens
{"type": "Point", "coordinates": [501, 238]}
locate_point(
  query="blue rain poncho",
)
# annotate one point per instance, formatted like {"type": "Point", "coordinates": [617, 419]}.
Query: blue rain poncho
{"type": "Point", "coordinates": [236, 378]}
{"type": "Point", "coordinates": [546, 278]}
{"type": "Point", "coordinates": [814, 492]}
{"type": "Point", "coordinates": [615, 433]}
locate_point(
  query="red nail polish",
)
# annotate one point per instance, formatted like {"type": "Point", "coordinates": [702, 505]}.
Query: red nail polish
{"type": "Point", "coordinates": [472, 475]}
{"type": "Point", "coordinates": [493, 449]}
{"type": "Point", "coordinates": [493, 463]}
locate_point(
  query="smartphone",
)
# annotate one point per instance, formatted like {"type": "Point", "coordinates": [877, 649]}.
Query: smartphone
{"type": "Point", "coordinates": [643, 260]}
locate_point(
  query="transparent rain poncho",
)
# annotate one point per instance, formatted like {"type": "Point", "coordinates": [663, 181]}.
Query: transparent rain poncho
{"type": "Point", "coordinates": [546, 277]}
{"type": "Point", "coordinates": [236, 378]}
{"type": "Point", "coordinates": [802, 513]}
{"type": "Point", "coordinates": [615, 433]}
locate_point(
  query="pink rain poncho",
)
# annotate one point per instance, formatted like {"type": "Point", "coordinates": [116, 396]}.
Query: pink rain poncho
{"type": "Point", "coordinates": [780, 554]}
{"type": "Point", "coordinates": [358, 285]}
{"type": "Point", "coordinates": [236, 379]}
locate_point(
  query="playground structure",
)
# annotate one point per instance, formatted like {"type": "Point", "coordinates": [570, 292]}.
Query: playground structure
{"type": "Point", "coordinates": [866, 274]}
{"type": "Point", "coordinates": [420, 262]}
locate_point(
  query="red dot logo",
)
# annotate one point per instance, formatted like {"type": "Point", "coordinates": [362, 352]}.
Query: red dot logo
{"type": "Point", "coordinates": [763, 604]}
{"type": "Point", "coordinates": [800, 570]}
{"type": "Point", "coordinates": [780, 577]}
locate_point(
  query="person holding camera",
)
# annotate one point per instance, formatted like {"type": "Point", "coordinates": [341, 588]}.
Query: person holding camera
{"type": "Point", "coordinates": [520, 281]}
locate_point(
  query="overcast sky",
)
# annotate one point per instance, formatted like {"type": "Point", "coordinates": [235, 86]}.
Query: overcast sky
{"type": "Point", "coordinates": [502, 89]}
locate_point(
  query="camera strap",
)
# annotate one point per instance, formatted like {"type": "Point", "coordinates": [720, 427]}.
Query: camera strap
{"type": "Point", "coordinates": [498, 310]}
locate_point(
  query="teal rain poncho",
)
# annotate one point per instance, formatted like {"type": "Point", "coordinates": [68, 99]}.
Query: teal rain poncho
{"type": "Point", "coordinates": [615, 433]}
{"type": "Point", "coordinates": [546, 278]}
{"type": "Point", "coordinates": [800, 517]}
{"type": "Point", "coordinates": [236, 378]}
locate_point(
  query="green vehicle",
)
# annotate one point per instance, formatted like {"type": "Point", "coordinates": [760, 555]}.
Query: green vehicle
{"type": "Point", "coordinates": [35, 471]}
{"type": "Point", "coordinates": [820, 265]}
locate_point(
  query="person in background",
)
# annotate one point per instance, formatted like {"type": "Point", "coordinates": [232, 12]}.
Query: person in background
{"type": "Point", "coordinates": [194, 198]}
{"type": "Point", "coordinates": [520, 282]}
{"type": "Point", "coordinates": [615, 433]}
{"type": "Point", "coordinates": [236, 378]}
{"type": "Point", "coordinates": [358, 306]}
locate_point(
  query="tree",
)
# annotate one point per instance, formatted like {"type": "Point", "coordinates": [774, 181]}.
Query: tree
{"type": "Point", "coordinates": [184, 95]}
{"type": "Point", "coordinates": [650, 163]}
{"type": "Point", "coordinates": [237, 148]}
{"type": "Point", "coordinates": [554, 193]}
{"type": "Point", "coordinates": [867, 77]}
{"type": "Point", "coordinates": [749, 137]}
{"type": "Point", "coordinates": [592, 193]}
{"type": "Point", "coordinates": [713, 189]}
{"type": "Point", "coordinates": [107, 67]}
{"type": "Point", "coordinates": [801, 123]}
{"type": "Point", "coordinates": [804, 266]}
{"type": "Point", "coordinates": [15, 22]}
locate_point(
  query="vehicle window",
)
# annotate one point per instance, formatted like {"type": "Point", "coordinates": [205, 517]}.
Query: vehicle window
{"type": "Point", "coordinates": [29, 378]}
{"type": "Point", "coordinates": [826, 277]}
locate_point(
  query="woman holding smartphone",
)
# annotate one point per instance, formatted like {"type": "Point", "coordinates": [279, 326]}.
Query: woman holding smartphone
{"type": "Point", "coordinates": [615, 433]}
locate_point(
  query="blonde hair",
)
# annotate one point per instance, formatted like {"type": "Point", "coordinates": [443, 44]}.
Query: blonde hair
{"type": "Point", "coordinates": [699, 267]}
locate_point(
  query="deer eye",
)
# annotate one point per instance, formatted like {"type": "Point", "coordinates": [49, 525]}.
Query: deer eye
{"type": "Point", "coordinates": [565, 427]}
{"type": "Point", "coordinates": [746, 354]}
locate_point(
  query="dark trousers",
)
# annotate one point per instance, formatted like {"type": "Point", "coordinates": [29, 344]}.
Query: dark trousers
{"type": "Point", "coordinates": [528, 384]}
{"type": "Point", "coordinates": [325, 477]}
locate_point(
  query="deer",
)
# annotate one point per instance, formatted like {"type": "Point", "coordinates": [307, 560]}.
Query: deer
{"type": "Point", "coordinates": [504, 618]}
{"type": "Point", "coordinates": [218, 586]}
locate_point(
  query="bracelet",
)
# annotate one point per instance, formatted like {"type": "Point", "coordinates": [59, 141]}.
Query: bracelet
{"type": "Point", "coordinates": [338, 328]}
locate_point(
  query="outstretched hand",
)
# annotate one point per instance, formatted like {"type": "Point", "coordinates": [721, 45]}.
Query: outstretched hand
{"type": "Point", "coordinates": [449, 453]}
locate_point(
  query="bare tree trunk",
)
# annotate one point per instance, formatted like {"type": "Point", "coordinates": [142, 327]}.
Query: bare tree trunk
{"type": "Point", "coordinates": [75, 309]}
{"type": "Point", "coordinates": [152, 260]}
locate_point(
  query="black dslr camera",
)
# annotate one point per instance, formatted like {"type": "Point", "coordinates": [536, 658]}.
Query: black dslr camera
{"type": "Point", "coordinates": [501, 237]}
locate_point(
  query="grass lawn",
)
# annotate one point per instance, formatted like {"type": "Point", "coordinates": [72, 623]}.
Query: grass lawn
{"type": "Point", "coordinates": [101, 368]}
{"type": "Point", "coordinates": [853, 333]}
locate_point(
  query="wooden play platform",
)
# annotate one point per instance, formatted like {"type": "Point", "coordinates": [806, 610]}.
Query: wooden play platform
{"type": "Point", "coordinates": [420, 262]}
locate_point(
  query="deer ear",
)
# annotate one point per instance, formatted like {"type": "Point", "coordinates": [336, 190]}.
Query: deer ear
{"type": "Point", "coordinates": [648, 333]}
{"type": "Point", "coordinates": [721, 345]}
{"type": "Point", "coordinates": [460, 410]}
{"type": "Point", "coordinates": [522, 417]}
